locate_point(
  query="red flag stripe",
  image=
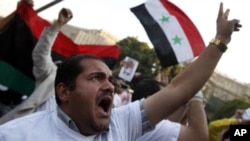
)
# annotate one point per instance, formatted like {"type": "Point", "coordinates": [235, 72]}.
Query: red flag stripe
{"type": "Point", "coordinates": [64, 45]}
{"type": "Point", "coordinates": [190, 29]}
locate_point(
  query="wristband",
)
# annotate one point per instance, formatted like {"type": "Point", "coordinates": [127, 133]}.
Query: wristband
{"type": "Point", "coordinates": [197, 99]}
{"type": "Point", "coordinates": [221, 46]}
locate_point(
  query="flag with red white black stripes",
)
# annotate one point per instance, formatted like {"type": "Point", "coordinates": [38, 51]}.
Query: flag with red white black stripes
{"type": "Point", "coordinates": [174, 36]}
{"type": "Point", "coordinates": [17, 42]}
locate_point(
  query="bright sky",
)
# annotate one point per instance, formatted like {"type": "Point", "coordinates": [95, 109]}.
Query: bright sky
{"type": "Point", "coordinates": [115, 16]}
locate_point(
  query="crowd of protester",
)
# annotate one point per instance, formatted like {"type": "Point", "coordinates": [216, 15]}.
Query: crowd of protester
{"type": "Point", "coordinates": [82, 99]}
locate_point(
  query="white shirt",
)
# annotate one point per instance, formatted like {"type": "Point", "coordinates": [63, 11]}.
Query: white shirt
{"type": "Point", "coordinates": [117, 100]}
{"type": "Point", "coordinates": [164, 131]}
{"type": "Point", "coordinates": [125, 125]}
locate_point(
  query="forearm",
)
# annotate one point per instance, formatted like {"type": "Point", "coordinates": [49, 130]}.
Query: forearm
{"type": "Point", "coordinates": [57, 25]}
{"type": "Point", "coordinates": [184, 86]}
{"type": "Point", "coordinates": [6, 20]}
{"type": "Point", "coordinates": [197, 121]}
{"type": "Point", "coordinates": [46, 41]}
{"type": "Point", "coordinates": [192, 79]}
{"type": "Point", "coordinates": [178, 115]}
{"type": "Point", "coordinates": [41, 54]}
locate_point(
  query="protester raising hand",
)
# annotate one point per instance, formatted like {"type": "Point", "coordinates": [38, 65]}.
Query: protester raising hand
{"type": "Point", "coordinates": [84, 94]}
{"type": "Point", "coordinates": [65, 15]}
{"type": "Point", "coordinates": [44, 71]}
{"type": "Point", "coordinates": [226, 27]}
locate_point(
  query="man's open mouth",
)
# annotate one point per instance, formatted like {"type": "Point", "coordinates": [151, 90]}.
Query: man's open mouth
{"type": "Point", "coordinates": [106, 103]}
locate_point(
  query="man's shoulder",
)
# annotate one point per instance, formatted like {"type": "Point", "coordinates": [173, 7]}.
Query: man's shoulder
{"type": "Point", "coordinates": [28, 120]}
{"type": "Point", "coordinates": [133, 106]}
{"type": "Point", "coordinates": [30, 127]}
{"type": "Point", "coordinates": [168, 124]}
{"type": "Point", "coordinates": [164, 130]}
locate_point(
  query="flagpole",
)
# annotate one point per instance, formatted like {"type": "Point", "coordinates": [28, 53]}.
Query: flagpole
{"type": "Point", "coordinates": [48, 5]}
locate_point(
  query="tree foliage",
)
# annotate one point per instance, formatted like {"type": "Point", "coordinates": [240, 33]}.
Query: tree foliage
{"type": "Point", "coordinates": [172, 71]}
{"type": "Point", "coordinates": [228, 108]}
{"type": "Point", "coordinates": [149, 64]}
{"type": "Point", "coordinates": [213, 103]}
{"type": "Point", "coordinates": [140, 51]}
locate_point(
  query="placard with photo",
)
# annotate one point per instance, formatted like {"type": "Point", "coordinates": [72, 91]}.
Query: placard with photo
{"type": "Point", "coordinates": [127, 72]}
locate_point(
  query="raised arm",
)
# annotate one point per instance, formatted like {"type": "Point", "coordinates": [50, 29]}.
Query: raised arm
{"type": "Point", "coordinates": [196, 129]}
{"type": "Point", "coordinates": [41, 55]}
{"type": "Point", "coordinates": [190, 80]}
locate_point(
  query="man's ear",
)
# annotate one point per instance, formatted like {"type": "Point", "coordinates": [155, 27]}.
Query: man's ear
{"type": "Point", "coordinates": [62, 92]}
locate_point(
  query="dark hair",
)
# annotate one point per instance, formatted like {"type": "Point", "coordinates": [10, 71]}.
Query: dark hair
{"type": "Point", "coordinates": [68, 71]}
{"type": "Point", "coordinates": [145, 88]}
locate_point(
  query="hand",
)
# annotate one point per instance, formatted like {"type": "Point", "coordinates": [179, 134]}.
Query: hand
{"type": "Point", "coordinates": [164, 79]}
{"type": "Point", "coordinates": [65, 15]}
{"type": "Point", "coordinates": [29, 2]}
{"type": "Point", "coordinates": [238, 113]}
{"type": "Point", "coordinates": [244, 122]}
{"type": "Point", "coordinates": [123, 63]}
{"type": "Point", "coordinates": [116, 71]}
{"type": "Point", "coordinates": [226, 27]}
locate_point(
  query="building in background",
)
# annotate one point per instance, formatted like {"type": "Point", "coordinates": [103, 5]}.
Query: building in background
{"type": "Point", "coordinates": [226, 88]}
{"type": "Point", "coordinates": [89, 36]}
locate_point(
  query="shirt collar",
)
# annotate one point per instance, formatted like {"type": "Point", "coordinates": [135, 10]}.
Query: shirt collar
{"type": "Point", "coordinates": [66, 119]}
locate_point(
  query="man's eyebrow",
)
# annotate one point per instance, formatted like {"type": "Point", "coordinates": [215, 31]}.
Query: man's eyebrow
{"type": "Point", "coordinates": [101, 74]}
{"type": "Point", "coordinates": [98, 73]}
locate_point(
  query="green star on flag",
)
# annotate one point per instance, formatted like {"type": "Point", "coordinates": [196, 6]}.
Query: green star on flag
{"type": "Point", "coordinates": [177, 40]}
{"type": "Point", "coordinates": [167, 26]}
{"type": "Point", "coordinates": [164, 19]}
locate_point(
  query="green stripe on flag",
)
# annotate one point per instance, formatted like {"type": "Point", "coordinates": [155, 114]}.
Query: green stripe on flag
{"type": "Point", "coordinates": [15, 80]}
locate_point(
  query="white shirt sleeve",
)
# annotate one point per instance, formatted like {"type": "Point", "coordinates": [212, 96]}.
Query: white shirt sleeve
{"type": "Point", "coordinates": [164, 131]}
{"type": "Point", "coordinates": [41, 54]}
{"type": "Point", "coordinates": [129, 121]}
